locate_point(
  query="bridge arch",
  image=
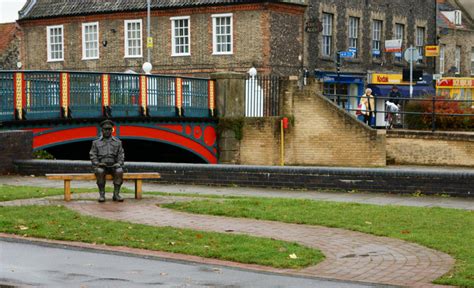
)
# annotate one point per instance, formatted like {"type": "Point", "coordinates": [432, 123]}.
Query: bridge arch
{"type": "Point", "coordinates": [199, 138]}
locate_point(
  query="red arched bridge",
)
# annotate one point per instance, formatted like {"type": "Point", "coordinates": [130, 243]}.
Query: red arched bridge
{"type": "Point", "coordinates": [66, 107]}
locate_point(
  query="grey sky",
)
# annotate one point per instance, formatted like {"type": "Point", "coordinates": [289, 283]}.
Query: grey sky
{"type": "Point", "coordinates": [9, 10]}
{"type": "Point", "coordinates": [469, 6]}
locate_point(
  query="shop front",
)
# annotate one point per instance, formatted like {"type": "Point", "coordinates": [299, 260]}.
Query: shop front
{"type": "Point", "coordinates": [456, 88]}
{"type": "Point", "coordinates": [381, 85]}
{"type": "Point", "coordinates": [343, 88]}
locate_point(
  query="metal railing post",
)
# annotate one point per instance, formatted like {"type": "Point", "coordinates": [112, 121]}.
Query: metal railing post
{"type": "Point", "coordinates": [19, 91]}
{"type": "Point", "coordinates": [433, 115]}
{"type": "Point", "coordinates": [211, 97]}
{"type": "Point", "coordinates": [179, 95]}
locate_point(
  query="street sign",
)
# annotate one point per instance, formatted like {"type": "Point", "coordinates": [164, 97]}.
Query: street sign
{"type": "Point", "coordinates": [149, 42]}
{"type": "Point", "coordinates": [437, 76]}
{"type": "Point", "coordinates": [375, 52]}
{"type": "Point", "coordinates": [352, 49]}
{"type": "Point", "coordinates": [432, 51]}
{"type": "Point", "coordinates": [393, 45]}
{"type": "Point", "coordinates": [346, 54]}
{"type": "Point", "coordinates": [398, 54]}
{"type": "Point", "coordinates": [411, 54]}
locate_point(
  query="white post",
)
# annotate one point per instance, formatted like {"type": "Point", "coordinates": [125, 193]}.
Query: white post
{"type": "Point", "coordinates": [411, 71]}
{"type": "Point", "coordinates": [148, 31]}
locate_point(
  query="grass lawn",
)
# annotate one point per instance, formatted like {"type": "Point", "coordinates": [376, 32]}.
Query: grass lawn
{"type": "Point", "coordinates": [60, 223]}
{"type": "Point", "coordinates": [447, 230]}
{"type": "Point", "coordinates": [9, 192]}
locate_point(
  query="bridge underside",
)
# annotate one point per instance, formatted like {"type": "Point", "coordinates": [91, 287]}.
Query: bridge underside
{"type": "Point", "coordinates": [185, 142]}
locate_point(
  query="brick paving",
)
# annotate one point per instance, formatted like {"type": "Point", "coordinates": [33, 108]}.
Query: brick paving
{"type": "Point", "coordinates": [350, 255]}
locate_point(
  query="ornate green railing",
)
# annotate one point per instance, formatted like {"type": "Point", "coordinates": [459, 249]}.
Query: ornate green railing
{"type": "Point", "coordinates": [37, 95]}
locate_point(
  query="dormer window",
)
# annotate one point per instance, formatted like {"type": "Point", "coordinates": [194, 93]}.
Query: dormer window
{"type": "Point", "coordinates": [457, 17]}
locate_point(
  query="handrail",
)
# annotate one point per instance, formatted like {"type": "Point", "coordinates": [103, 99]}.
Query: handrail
{"type": "Point", "coordinates": [39, 95]}
{"type": "Point", "coordinates": [432, 110]}
{"type": "Point", "coordinates": [95, 72]}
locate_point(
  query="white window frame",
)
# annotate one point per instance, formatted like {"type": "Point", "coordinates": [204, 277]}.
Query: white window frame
{"type": "Point", "coordinates": [126, 39]}
{"type": "Point", "coordinates": [354, 33]}
{"type": "Point", "coordinates": [214, 34]}
{"type": "Point", "coordinates": [472, 60]}
{"type": "Point", "coordinates": [457, 59]}
{"type": "Point", "coordinates": [420, 42]}
{"type": "Point", "coordinates": [173, 36]}
{"type": "Point", "coordinates": [326, 47]}
{"type": "Point", "coordinates": [442, 52]}
{"type": "Point", "coordinates": [49, 43]}
{"type": "Point", "coordinates": [399, 34]}
{"type": "Point", "coordinates": [84, 44]}
{"type": "Point", "coordinates": [377, 37]}
{"type": "Point", "coordinates": [400, 31]}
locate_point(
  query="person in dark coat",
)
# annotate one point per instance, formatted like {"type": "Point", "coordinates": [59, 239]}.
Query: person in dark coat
{"type": "Point", "coordinates": [107, 157]}
{"type": "Point", "coordinates": [395, 95]}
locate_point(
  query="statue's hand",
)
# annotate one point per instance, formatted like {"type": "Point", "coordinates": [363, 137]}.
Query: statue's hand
{"type": "Point", "coordinates": [116, 165]}
{"type": "Point", "coordinates": [102, 165]}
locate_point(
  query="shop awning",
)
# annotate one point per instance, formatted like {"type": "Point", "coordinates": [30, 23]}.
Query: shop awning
{"type": "Point", "coordinates": [418, 90]}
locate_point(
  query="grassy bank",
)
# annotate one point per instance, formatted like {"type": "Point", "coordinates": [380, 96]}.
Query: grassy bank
{"type": "Point", "coordinates": [447, 230]}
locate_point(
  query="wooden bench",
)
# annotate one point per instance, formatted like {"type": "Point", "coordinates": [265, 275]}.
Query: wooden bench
{"type": "Point", "coordinates": [138, 177]}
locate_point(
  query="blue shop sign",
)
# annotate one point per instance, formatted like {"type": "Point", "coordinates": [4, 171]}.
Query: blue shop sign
{"type": "Point", "coordinates": [346, 54]}
{"type": "Point", "coordinates": [331, 77]}
{"type": "Point", "coordinates": [375, 52]}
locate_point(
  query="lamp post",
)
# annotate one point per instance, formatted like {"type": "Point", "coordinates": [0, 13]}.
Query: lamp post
{"type": "Point", "coordinates": [148, 31]}
{"type": "Point", "coordinates": [149, 41]}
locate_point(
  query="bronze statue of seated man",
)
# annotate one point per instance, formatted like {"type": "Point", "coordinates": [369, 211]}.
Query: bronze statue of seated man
{"type": "Point", "coordinates": [107, 157]}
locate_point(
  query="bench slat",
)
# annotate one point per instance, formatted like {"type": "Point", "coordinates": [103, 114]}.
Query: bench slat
{"type": "Point", "coordinates": [91, 176]}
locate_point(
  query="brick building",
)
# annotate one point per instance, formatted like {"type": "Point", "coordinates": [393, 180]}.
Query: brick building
{"type": "Point", "coordinates": [9, 46]}
{"type": "Point", "coordinates": [364, 25]}
{"type": "Point", "coordinates": [189, 36]}
{"type": "Point", "coordinates": [456, 39]}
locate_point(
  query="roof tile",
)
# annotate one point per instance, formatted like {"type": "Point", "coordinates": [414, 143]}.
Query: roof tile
{"type": "Point", "coordinates": [8, 32]}
{"type": "Point", "coordinates": [56, 8]}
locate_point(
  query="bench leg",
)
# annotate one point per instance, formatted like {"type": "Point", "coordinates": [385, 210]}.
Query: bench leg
{"type": "Point", "coordinates": [138, 188]}
{"type": "Point", "coordinates": [67, 190]}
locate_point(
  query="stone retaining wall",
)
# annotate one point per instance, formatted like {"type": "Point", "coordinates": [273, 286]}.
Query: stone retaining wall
{"type": "Point", "coordinates": [410, 181]}
{"type": "Point", "coordinates": [14, 145]}
{"type": "Point", "coordinates": [428, 148]}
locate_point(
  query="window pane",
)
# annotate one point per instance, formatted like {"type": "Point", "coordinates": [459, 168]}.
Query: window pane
{"type": "Point", "coordinates": [133, 39]}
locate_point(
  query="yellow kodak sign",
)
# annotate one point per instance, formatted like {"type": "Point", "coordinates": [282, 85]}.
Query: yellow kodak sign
{"type": "Point", "coordinates": [431, 51]}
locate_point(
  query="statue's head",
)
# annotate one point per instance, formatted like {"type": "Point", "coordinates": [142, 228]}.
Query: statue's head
{"type": "Point", "coordinates": [107, 127]}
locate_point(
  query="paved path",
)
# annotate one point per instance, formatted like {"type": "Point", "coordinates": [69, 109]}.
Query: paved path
{"type": "Point", "coordinates": [366, 198]}
{"type": "Point", "coordinates": [349, 255]}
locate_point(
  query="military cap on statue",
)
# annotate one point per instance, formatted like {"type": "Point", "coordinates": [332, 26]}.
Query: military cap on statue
{"type": "Point", "coordinates": [107, 122]}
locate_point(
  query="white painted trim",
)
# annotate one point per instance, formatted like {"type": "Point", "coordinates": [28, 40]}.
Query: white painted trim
{"type": "Point", "coordinates": [84, 41]}
{"type": "Point", "coordinates": [214, 36]}
{"type": "Point", "coordinates": [48, 41]}
{"type": "Point", "coordinates": [126, 38]}
{"type": "Point", "coordinates": [173, 39]}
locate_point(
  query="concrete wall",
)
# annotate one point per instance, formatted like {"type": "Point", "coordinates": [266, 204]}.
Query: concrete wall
{"type": "Point", "coordinates": [426, 148]}
{"type": "Point", "coordinates": [14, 145]}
